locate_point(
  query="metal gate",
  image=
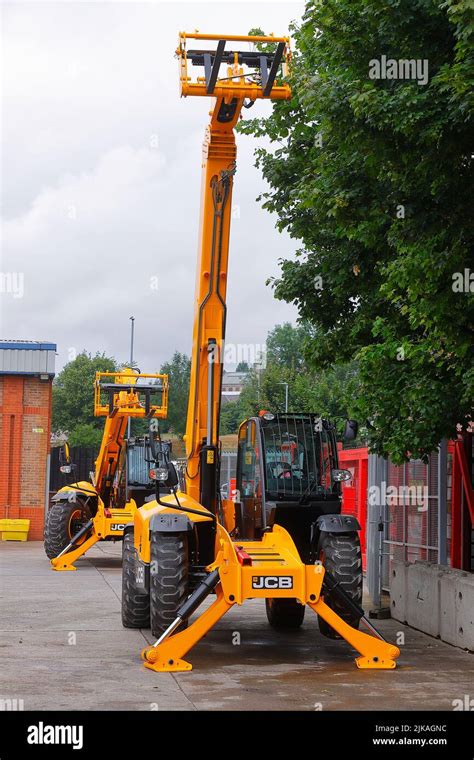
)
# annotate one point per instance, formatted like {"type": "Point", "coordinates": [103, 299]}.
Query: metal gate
{"type": "Point", "coordinates": [407, 515]}
{"type": "Point", "coordinates": [83, 457]}
{"type": "Point", "coordinates": [411, 513]}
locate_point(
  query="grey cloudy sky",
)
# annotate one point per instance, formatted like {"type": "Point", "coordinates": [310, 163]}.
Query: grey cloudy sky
{"type": "Point", "coordinates": [101, 173]}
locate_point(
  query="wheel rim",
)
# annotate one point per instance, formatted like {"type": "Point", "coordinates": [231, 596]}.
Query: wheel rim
{"type": "Point", "coordinates": [76, 522]}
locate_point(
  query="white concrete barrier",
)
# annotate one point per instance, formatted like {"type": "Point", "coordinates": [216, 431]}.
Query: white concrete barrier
{"type": "Point", "coordinates": [422, 610]}
{"type": "Point", "coordinates": [434, 599]}
{"type": "Point", "coordinates": [447, 601]}
{"type": "Point", "coordinates": [398, 591]}
{"type": "Point", "coordinates": [465, 612]}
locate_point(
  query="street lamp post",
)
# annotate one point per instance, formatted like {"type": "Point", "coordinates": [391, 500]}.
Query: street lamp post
{"type": "Point", "coordinates": [286, 395]}
{"type": "Point", "coordinates": [258, 367]}
{"type": "Point", "coordinates": [132, 335]}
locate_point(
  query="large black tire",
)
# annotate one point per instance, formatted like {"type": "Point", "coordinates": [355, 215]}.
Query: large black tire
{"type": "Point", "coordinates": [135, 601]}
{"type": "Point", "coordinates": [169, 578]}
{"type": "Point", "coordinates": [285, 614]}
{"type": "Point", "coordinates": [64, 520]}
{"type": "Point", "coordinates": [341, 556]}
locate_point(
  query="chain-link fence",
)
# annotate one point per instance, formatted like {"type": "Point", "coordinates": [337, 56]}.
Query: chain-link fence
{"type": "Point", "coordinates": [411, 513]}
{"type": "Point", "coordinates": [406, 518]}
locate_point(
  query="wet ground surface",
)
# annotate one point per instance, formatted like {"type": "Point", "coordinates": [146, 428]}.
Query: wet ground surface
{"type": "Point", "coordinates": [63, 647]}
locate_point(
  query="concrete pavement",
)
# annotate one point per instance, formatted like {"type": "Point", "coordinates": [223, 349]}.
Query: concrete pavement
{"type": "Point", "coordinates": [63, 647]}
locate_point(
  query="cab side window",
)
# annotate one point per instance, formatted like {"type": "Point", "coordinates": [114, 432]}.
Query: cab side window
{"type": "Point", "coordinates": [249, 517]}
{"type": "Point", "coordinates": [248, 475]}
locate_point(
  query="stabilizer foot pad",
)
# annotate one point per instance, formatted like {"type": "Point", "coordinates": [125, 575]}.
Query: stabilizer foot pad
{"type": "Point", "coordinates": [62, 568]}
{"type": "Point", "coordinates": [373, 663]}
{"type": "Point", "coordinates": [169, 667]}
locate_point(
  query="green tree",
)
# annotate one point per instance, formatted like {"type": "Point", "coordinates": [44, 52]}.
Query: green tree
{"type": "Point", "coordinates": [242, 367]}
{"type": "Point", "coordinates": [85, 434]}
{"type": "Point", "coordinates": [178, 370]}
{"type": "Point", "coordinates": [73, 399]}
{"type": "Point", "coordinates": [327, 392]}
{"type": "Point", "coordinates": [285, 345]}
{"type": "Point", "coordinates": [265, 390]}
{"type": "Point", "coordinates": [232, 414]}
{"type": "Point", "coordinates": [375, 177]}
{"type": "Point", "coordinates": [262, 47]}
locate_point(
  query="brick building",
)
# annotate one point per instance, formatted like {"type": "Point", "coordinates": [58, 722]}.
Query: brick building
{"type": "Point", "coordinates": [232, 385]}
{"type": "Point", "coordinates": [26, 376]}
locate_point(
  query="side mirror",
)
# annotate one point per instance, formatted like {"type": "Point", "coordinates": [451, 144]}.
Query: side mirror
{"type": "Point", "coordinates": [351, 429]}
{"type": "Point", "coordinates": [165, 474]}
{"type": "Point", "coordinates": [172, 480]}
{"type": "Point", "coordinates": [65, 464]}
{"type": "Point", "coordinates": [64, 455]}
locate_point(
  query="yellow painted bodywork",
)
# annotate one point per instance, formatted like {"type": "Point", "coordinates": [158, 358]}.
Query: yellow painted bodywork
{"type": "Point", "coordinates": [144, 514]}
{"type": "Point", "coordinates": [219, 154]}
{"type": "Point", "coordinates": [127, 405]}
{"type": "Point", "coordinates": [236, 585]}
{"type": "Point", "coordinates": [277, 570]}
{"type": "Point", "coordinates": [109, 521]}
{"type": "Point", "coordinates": [107, 524]}
{"type": "Point", "coordinates": [237, 84]}
{"type": "Point", "coordinates": [218, 159]}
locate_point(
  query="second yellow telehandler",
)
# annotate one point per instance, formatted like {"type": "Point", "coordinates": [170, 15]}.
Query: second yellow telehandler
{"type": "Point", "coordinates": [83, 513]}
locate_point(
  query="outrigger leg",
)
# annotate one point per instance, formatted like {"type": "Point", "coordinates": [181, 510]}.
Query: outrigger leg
{"type": "Point", "coordinates": [375, 651]}
{"type": "Point", "coordinates": [65, 560]}
{"type": "Point", "coordinates": [167, 653]}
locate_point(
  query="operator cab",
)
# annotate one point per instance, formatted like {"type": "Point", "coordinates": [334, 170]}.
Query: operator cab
{"type": "Point", "coordinates": [287, 473]}
{"type": "Point", "coordinates": [133, 478]}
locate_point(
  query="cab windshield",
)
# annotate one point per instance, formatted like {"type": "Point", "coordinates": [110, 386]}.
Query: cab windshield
{"type": "Point", "coordinates": [299, 456]}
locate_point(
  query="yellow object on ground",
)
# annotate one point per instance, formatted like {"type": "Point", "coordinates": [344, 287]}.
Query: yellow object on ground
{"type": "Point", "coordinates": [14, 530]}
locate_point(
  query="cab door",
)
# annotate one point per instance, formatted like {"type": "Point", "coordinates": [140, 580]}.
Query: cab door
{"type": "Point", "coordinates": [249, 482]}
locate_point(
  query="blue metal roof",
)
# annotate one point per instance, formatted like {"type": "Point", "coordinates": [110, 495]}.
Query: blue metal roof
{"type": "Point", "coordinates": [27, 345]}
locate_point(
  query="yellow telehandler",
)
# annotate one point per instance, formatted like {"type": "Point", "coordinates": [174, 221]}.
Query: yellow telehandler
{"type": "Point", "coordinates": [86, 512]}
{"type": "Point", "coordinates": [283, 538]}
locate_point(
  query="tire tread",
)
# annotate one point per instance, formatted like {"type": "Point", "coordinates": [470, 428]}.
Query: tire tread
{"type": "Point", "coordinates": [343, 560]}
{"type": "Point", "coordinates": [135, 603]}
{"type": "Point", "coordinates": [169, 578]}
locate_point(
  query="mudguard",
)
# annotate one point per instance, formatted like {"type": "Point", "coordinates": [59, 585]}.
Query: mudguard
{"type": "Point", "coordinates": [168, 522]}
{"type": "Point", "coordinates": [337, 524]}
{"type": "Point", "coordinates": [68, 493]}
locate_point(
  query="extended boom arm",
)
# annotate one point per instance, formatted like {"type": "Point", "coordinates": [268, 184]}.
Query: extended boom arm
{"type": "Point", "coordinates": [250, 75]}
